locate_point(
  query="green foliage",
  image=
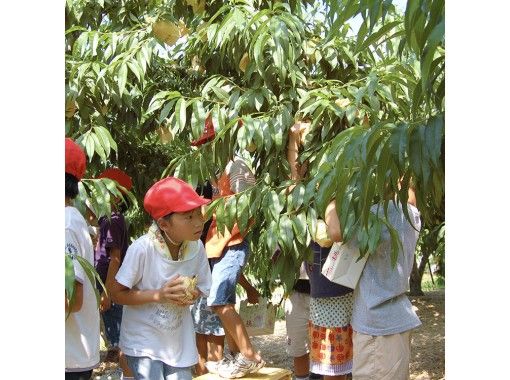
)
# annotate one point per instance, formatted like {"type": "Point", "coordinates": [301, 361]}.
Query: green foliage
{"type": "Point", "coordinates": [92, 276]}
{"type": "Point", "coordinates": [375, 101]}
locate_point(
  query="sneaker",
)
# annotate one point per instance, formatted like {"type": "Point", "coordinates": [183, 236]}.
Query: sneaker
{"type": "Point", "coordinates": [239, 367]}
{"type": "Point", "coordinates": [213, 367]}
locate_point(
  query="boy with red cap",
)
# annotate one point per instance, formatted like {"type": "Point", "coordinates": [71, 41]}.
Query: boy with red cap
{"type": "Point", "coordinates": [111, 248]}
{"type": "Point", "coordinates": [82, 324]}
{"type": "Point", "coordinates": [156, 283]}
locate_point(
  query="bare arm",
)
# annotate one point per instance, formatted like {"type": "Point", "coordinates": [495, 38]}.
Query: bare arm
{"type": "Point", "coordinates": [332, 222]}
{"type": "Point", "coordinates": [78, 298]}
{"type": "Point", "coordinates": [172, 292]}
{"type": "Point", "coordinates": [113, 268]}
{"type": "Point", "coordinates": [251, 292]}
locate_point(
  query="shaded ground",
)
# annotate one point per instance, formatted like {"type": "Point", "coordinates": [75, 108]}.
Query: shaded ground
{"type": "Point", "coordinates": [428, 350]}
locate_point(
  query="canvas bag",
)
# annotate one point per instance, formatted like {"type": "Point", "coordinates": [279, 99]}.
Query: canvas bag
{"type": "Point", "coordinates": [259, 319]}
{"type": "Point", "coordinates": [342, 265]}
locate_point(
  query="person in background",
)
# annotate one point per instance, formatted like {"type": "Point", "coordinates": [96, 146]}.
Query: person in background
{"type": "Point", "coordinates": [82, 315]}
{"type": "Point", "coordinates": [330, 332]}
{"type": "Point", "coordinates": [382, 315]}
{"type": "Point", "coordinates": [228, 253]}
{"type": "Point", "coordinates": [112, 244]}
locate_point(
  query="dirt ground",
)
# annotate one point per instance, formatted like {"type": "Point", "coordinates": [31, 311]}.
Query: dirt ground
{"type": "Point", "coordinates": [428, 351]}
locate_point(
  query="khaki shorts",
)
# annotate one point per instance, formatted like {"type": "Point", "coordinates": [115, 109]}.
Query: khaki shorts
{"type": "Point", "coordinates": [297, 313]}
{"type": "Point", "coordinates": [383, 357]}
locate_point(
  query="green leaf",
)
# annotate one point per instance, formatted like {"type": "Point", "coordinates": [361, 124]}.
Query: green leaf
{"type": "Point", "coordinates": [122, 78]}
{"type": "Point", "coordinates": [165, 111]}
{"type": "Point", "coordinates": [197, 119]}
{"type": "Point", "coordinates": [180, 111]}
{"type": "Point", "coordinates": [69, 277]}
{"type": "Point", "coordinates": [103, 138]}
{"type": "Point", "coordinates": [276, 205]}
{"type": "Point", "coordinates": [286, 235]}
{"type": "Point", "coordinates": [98, 148]}
{"type": "Point", "coordinates": [92, 276]}
{"type": "Point", "coordinates": [311, 221]}
{"type": "Point", "coordinates": [299, 225]}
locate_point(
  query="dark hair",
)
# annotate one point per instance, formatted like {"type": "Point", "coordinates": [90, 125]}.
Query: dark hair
{"type": "Point", "coordinates": [167, 216]}
{"type": "Point", "coordinates": [122, 207]}
{"type": "Point", "coordinates": [71, 186]}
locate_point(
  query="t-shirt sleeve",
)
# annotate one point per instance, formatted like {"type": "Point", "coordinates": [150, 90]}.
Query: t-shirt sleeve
{"type": "Point", "coordinates": [240, 175]}
{"type": "Point", "coordinates": [203, 271]}
{"type": "Point", "coordinates": [114, 233]}
{"type": "Point", "coordinates": [73, 248]}
{"type": "Point", "coordinates": [130, 272]}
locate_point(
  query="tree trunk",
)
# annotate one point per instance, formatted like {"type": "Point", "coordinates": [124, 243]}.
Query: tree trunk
{"type": "Point", "coordinates": [415, 281]}
{"type": "Point", "coordinates": [417, 272]}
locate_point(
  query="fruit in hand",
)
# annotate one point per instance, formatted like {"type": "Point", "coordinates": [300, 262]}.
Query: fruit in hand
{"type": "Point", "coordinates": [190, 284]}
{"type": "Point", "coordinates": [321, 235]}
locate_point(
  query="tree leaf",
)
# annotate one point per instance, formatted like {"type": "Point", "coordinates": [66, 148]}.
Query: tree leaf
{"type": "Point", "coordinates": [122, 78]}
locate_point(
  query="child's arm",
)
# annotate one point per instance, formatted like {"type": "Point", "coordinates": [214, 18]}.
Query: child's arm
{"type": "Point", "coordinates": [251, 292]}
{"type": "Point", "coordinates": [332, 222]}
{"type": "Point", "coordinates": [172, 292]}
{"type": "Point", "coordinates": [113, 268]}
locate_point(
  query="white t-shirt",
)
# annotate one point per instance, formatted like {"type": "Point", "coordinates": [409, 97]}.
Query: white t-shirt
{"type": "Point", "coordinates": [161, 331]}
{"type": "Point", "coordinates": [82, 327]}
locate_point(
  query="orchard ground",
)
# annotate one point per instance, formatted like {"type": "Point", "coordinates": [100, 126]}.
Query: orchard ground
{"type": "Point", "coordinates": [428, 341]}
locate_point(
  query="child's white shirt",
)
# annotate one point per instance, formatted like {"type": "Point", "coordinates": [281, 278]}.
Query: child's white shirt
{"type": "Point", "coordinates": [161, 331]}
{"type": "Point", "coordinates": [82, 327]}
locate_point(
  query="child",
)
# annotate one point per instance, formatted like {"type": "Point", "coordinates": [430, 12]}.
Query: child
{"type": "Point", "coordinates": [157, 334]}
{"type": "Point", "coordinates": [82, 324]}
{"type": "Point", "coordinates": [111, 248]}
{"type": "Point", "coordinates": [228, 253]}
{"type": "Point", "coordinates": [330, 305]}
{"type": "Point", "coordinates": [382, 315]}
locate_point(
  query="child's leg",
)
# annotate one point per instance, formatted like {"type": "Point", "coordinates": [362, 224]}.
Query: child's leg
{"type": "Point", "coordinates": [233, 325]}
{"type": "Point", "coordinates": [215, 347]}
{"type": "Point", "coordinates": [232, 346]}
{"type": "Point", "coordinates": [145, 368]}
{"type": "Point", "coordinates": [297, 313]}
{"type": "Point", "coordinates": [202, 347]}
{"type": "Point", "coordinates": [112, 319]}
{"type": "Point", "coordinates": [222, 297]}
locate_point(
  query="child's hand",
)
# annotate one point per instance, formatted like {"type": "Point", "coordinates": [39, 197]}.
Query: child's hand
{"type": "Point", "coordinates": [253, 295]}
{"type": "Point", "coordinates": [173, 291]}
{"type": "Point", "coordinates": [106, 303]}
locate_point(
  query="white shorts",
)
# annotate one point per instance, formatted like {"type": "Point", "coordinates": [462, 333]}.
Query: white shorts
{"type": "Point", "coordinates": [297, 314]}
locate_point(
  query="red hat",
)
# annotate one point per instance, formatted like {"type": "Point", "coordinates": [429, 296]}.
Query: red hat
{"type": "Point", "coordinates": [118, 175]}
{"type": "Point", "coordinates": [76, 162]}
{"type": "Point", "coordinates": [208, 133]}
{"type": "Point", "coordinates": [171, 195]}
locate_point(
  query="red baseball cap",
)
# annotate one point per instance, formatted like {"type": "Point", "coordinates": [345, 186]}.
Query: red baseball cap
{"type": "Point", "coordinates": [118, 175]}
{"type": "Point", "coordinates": [208, 133]}
{"type": "Point", "coordinates": [171, 195]}
{"type": "Point", "coordinates": [76, 162]}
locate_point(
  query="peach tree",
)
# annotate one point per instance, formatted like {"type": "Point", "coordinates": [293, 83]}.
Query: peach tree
{"type": "Point", "coordinates": [143, 77]}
